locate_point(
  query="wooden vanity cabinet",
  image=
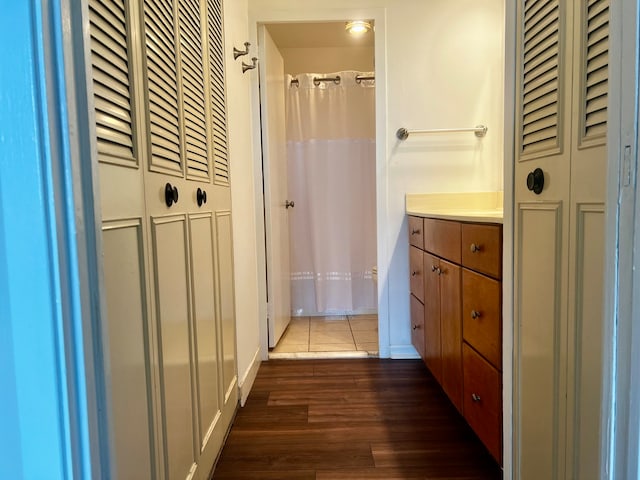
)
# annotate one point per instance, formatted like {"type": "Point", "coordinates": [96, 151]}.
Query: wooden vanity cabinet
{"type": "Point", "coordinates": [459, 313]}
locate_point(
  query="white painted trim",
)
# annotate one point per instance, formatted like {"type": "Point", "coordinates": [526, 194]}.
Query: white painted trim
{"type": "Point", "coordinates": [246, 380]}
{"type": "Point", "coordinates": [509, 84]}
{"type": "Point", "coordinates": [306, 14]}
{"type": "Point", "coordinates": [621, 356]}
{"type": "Point", "coordinates": [87, 234]}
{"type": "Point", "coordinates": [403, 352]}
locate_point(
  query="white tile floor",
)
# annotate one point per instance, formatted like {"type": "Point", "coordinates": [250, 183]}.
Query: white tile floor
{"type": "Point", "coordinates": [345, 335]}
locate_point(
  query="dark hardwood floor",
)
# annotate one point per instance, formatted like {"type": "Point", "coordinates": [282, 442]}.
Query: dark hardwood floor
{"type": "Point", "coordinates": [350, 419]}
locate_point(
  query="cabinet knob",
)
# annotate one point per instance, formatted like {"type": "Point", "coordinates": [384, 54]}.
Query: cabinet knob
{"type": "Point", "coordinates": [475, 248]}
{"type": "Point", "coordinates": [289, 203]}
{"type": "Point", "coordinates": [475, 314]}
{"type": "Point", "coordinates": [414, 273]}
{"type": "Point", "coordinates": [415, 231]}
{"type": "Point", "coordinates": [535, 181]}
{"type": "Point", "coordinates": [415, 327]}
{"type": "Point", "coordinates": [475, 397]}
{"type": "Point", "coordinates": [201, 196]}
{"type": "Point", "coordinates": [170, 194]}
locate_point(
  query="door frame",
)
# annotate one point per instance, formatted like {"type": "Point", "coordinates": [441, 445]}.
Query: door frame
{"type": "Point", "coordinates": [620, 422]}
{"type": "Point", "coordinates": [303, 15]}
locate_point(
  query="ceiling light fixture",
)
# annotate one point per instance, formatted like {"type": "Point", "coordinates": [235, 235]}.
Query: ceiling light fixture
{"type": "Point", "coordinates": [358, 27]}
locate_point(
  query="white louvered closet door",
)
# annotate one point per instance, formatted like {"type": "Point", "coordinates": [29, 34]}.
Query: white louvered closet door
{"type": "Point", "coordinates": [541, 237]}
{"type": "Point", "coordinates": [587, 234]}
{"type": "Point", "coordinates": [125, 333]}
{"type": "Point", "coordinates": [218, 151]}
{"type": "Point", "coordinates": [559, 237]}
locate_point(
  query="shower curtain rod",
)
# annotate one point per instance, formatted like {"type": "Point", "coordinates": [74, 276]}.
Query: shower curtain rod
{"type": "Point", "coordinates": [336, 79]}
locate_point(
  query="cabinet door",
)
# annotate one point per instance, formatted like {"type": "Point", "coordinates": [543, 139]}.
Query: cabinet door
{"type": "Point", "coordinates": [451, 331]}
{"type": "Point", "coordinates": [417, 325]}
{"type": "Point", "coordinates": [432, 348]}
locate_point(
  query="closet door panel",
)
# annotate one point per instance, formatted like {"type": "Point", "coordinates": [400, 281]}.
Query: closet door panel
{"type": "Point", "coordinates": [541, 240]}
{"type": "Point", "coordinates": [125, 332]}
{"type": "Point", "coordinates": [539, 340]}
{"type": "Point", "coordinates": [171, 281]}
{"type": "Point", "coordinates": [225, 294]}
{"type": "Point", "coordinates": [125, 347]}
{"type": "Point", "coordinates": [205, 326]}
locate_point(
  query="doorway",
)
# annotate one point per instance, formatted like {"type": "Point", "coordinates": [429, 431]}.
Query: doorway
{"type": "Point", "coordinates": [319, 173]}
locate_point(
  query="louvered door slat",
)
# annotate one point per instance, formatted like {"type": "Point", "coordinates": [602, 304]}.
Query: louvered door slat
{"type": "Point", "coordinates": [217, 92]}
{"type": "Point", "coordinates": [543, 78]}
{"type": "Point", "coordinates": [539, 129]}
{"type": "Point", "coordinates": [111, 82]}
{"type": "Point", "coordinates": [594, 76]}
{"type": "Point", "coordinates": [162, 86]}
{"type": "Point", "coordinates": [193, 88]}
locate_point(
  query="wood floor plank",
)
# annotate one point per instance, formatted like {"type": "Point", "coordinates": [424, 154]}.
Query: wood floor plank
{"type": "Point", "coordinates": [350, 419]}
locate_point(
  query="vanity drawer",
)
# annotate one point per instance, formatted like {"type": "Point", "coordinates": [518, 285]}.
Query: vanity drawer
{"type": "Point", "coordinates": [482, 248]}
{"type": "Point", "coordinates": [482, 315]}
{"type": "Point", "coordinates": [416, 273]}
{"type": "Point", "coordinates": [442, 238]}
{"type": "Point", "coordinates": [482, 400]}
{"type": "Point", "coordinates": [417, 325]}
{"type": "Point", "coordinates": [416, 232]}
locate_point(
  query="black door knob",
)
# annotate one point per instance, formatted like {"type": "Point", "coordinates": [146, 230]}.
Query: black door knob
{"type": "Point", "coordinates": [535, 181]}
{"type": "Point", "coordinates": [170, 194]}
{"type": "Point", "coordinates": [201, 196]}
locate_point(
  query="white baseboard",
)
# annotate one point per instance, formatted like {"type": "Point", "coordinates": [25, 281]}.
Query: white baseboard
{"type": "Point", "coordinates": [249, 376]}
{"type": "Point", "coordinates": [403, 352]}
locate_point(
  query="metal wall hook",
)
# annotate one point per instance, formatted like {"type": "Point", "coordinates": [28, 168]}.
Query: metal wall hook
{"type": "Point", "coordinates": [239, 53]}
{"type": "Point", "coordinates": [246, 67]}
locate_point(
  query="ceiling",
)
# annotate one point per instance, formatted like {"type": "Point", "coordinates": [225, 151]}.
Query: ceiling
{"type": "Point", "coordinates": [315, 35]}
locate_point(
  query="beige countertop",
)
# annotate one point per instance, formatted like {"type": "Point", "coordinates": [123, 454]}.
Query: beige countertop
{"type": "Point", "coordinates": [485, 207]}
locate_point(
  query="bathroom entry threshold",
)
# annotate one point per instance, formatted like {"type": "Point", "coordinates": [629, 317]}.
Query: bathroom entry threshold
{"type": "Point", "coordinates": [330, 337]}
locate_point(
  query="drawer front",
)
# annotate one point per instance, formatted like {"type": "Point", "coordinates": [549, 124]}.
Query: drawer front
{"type": "Point", "coordinates": [482, 400]}
{"type": "Point", "coordinates": [482, 248]}
{"type": "Point", "coordinates": [416, 273]}
{"type": "Point", "coordinates": [482, 315]}
{"type": "Point", "coordinates": [442, 238]}
{"type": "Point", "coordinates": [416, 232]}
{"type": "Point", "coordinates": [417, 325]}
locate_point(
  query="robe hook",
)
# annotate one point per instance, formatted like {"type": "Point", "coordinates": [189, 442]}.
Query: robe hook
{"type": "Point", "coordinates": [239, 53]}
{"type": "Point", "coordinates": [246, 66]}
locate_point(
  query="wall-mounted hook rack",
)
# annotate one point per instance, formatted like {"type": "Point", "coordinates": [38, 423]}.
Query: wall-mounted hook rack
{"type": "Point", "coordinates": [239, 53]}
{"type": "Point", "coordinates": [246, 67]}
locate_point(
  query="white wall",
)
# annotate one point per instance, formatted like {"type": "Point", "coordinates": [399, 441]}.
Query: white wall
{"type": "Point", "coordinates": [327, 59]}
{"type": "Point", "coordinates": [246, 265]}
{"type": "Point", "coordinates": [443, 64]}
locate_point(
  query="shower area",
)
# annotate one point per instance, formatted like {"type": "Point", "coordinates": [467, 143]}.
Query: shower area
{"type": "Point", "coordinates": [328, 95]}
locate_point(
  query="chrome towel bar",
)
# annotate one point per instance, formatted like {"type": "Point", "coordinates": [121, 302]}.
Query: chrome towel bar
{"type": "Point", "coordinates": [479, 131]}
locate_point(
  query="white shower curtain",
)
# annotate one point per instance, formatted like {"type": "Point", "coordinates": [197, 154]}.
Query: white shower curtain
{"type": "Point", "coordinates": [331, 169]}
